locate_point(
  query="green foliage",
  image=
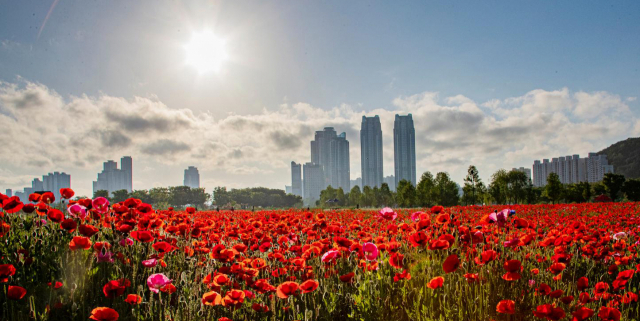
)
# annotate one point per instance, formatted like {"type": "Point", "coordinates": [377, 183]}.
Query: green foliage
{"type": "Point", "coordinates": [425, 190]}
{"type": "Point", "coordinates": [445, 190]}
{"type": "Point", "coordinates": [406, 194]}
{"type": "Point", "coordinates": [119, 195]}
{"type": "Point", "coordinates": [101, 193]}
{"type": "Point", "coordinates": [473, 187]}
{"type": "Point", "coordinates": [613, 184]}
{"type": "Point", "coordinates": [256, 196]}
{"type": "Point", "coordinates": [355, 196]}
{"type": "Point", "coordinates": [625, 157]}
{"type": "Point", "coordinates": [554, 189]}
{"type": "Point", "coordinates": [631, 190]}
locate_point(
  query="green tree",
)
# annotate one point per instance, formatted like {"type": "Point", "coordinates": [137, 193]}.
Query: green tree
{"type": "Point", "coordinates": [613, 184]}
{"type": "Point", "coordinates": [221, 196]}
{"type": "Point", "coordinates": [631, 189]}
{"type": "Point", "coordinates": [516, 183]}
{"type": "Point", "coordinates": [355, 195]}
{"type": "Point", "coordinates": [342, 198]}
{"type": "Point", "coordinates": [327, 196]}
{"type": "Point", "coordinates": [385, 195]}
{"type": "Point", "coordinates": [472, 186]}
{"type": "Point", "coordinates": [425, 190]}
{"type": "Point", "coordinates": [554, 189]}
{"type": "Point", "coordinates": [198, 197]}
{"type": "Point", "coordinates": [179, 195]}
{"type": "Point", "coordinates": [119, 195]}
{"type": "Point", "coordinates": [101, 193]}
{"type": "Point", "coordinates": [598, 189]}
{"type": "Point", "coordinates": [367, 196]}
{"type": "Point", "coordinates": [143, 195]}
{"type": "Point", "coordinates": [499, 186]}
{"type": "Point", "coordinates": [446, 190]}
{"type": "Point", "coordinates": [406, 194]}
{"type": "Point", "coordinates": [586, 191]}
{"type": "Point", "coordinates": [160, 197]}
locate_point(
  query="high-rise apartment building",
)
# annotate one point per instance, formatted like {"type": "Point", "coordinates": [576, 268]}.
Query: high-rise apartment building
{"type": "Point", "coordinates": [8, 192]}
{"type": "Point", "coordinates": [52, 182]}
{"type": "Point", "coordinates": [113, 179]}
{"type": "Point", "coordinates": [371, 151]}
{"type": "Point", "coordinates": [391, 181]}
{"type": "Point", "coordinates": [404, 149]}
{"type": "Point", "coordinates": [331, 151]}
{"type": "Point", "coordinates": [192, 177]}
{"type": "Point", "coordinates": [296, 179]}
{"type": "Point", "coordinates": [572, 169]}
{"type": "Point", "coordinates": [527, 171]}
{"type": "Point", "coordinates": [313, 183]}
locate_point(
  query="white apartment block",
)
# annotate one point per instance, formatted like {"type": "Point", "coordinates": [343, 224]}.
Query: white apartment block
{"type": "Point", "coordinates": [572, 169]}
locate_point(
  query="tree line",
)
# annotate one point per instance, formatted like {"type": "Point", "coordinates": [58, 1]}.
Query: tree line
{"type": "Point", "coordinates": [256, 196]}
{"type": "Point", "coordinates": [505, 187]}
{"type": "Point", "coordinates": [161, 197]}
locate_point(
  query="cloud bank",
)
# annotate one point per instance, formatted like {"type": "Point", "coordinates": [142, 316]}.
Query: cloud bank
{"type": "Point", "coordinates": [42, 131]}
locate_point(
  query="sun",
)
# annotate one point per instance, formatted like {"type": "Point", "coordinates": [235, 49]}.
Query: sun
{"type": "Point", "coordinates": [206, 52]}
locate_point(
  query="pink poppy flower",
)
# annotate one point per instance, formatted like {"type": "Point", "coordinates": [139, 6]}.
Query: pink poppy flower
{"type": "Point", "coordinates": [77, 211]}
{"type": "Point", "coordinates": [387, 214]}
{"type": "Point", "coordinates": [415, 216]}
{"type": "Point", "coordinates": [330, 256]}
{"type": "Point", "coordinates": [149, 263]}
{"type": "Point", "coordinates": [157, 281]}
{"type": "Point", "coordinates": [370, 251]}
{"type": "Point", "coordinates": [100, 204]}
{"type": "Point", "coordinates": [126, 242]}
{"type": "Point", "coordinates": [105, 257]}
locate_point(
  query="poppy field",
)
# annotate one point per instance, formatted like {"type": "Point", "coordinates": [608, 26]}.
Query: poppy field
{"type": "Point", "coordinates": [92, 260]}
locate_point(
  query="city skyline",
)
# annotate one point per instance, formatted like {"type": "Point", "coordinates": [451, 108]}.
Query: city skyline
{"type": "Point", "coordinates": [493, 85]}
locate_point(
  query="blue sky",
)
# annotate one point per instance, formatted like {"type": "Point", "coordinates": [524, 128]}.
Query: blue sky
{"type": "Point", "coordinates": [364, 56]}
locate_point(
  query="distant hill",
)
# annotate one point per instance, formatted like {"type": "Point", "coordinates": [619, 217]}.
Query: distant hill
{"type": "Point", "coordinates": [625, 157]}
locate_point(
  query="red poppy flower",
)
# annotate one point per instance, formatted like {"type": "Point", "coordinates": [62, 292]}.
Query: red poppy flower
{"type": "Point", "coordinates": [142, 236]}
{"type": "Point", "coordinates": [396, 260]}
{"type": "Point", "coordinates": [69, 225]}
{"type": "Point", "coordinates": [163, 247]}
{"type": "Point", "coordinates": [549, 312]}
{"type": "Point", "coordinates": [260, 307]}
{"type": "Point", "coordinates": [556, 268]}
{"type": "Point", "coordinates": [16, 292]}
{"type": "Point", "coordinates": [12, 205]}
{"type": "Point", "coordinates": [347, 278]}
{"type": "Point", "coordinates": [436, 282]}
{"type": "Point", "coordinates": [583, 283]}
{"type": "Point", "coordinates": [212, 298]}
{"type": "Point", "coordinates": [113, 289]}
{"type": "Point", "coordinates": [609, 314]}
{"type": "Point", "coordinates": [66, 193]}
{"type": "Point", "coordinates": [451, 263]}
{"type": "Point", "coordinates": [35, 197]}
{"type": "Point", "coordinates": [6, 270]}
{"type": "Point", "coordinates": [47, 198]}
{"type": "Point", "coordinates": [506, 306]}
{"type": "Point", "coordinates": [418, 239]}
{"type": "Point", "coordinates": [104, 314]}
{"type": "Point", "coordinates": [80, 243]}
{"type": "Point", "coordinates": [55, 215]}
{"type": "Point", "coordinates": [309, 286]}
{"type": "Point", "coordinates": [437, 209]}
{"type": "Point", "coordinates": [582, 313]}
{"type": "Point", "coordinates": [287, 289]}
{"type": "Point", "coordinates": [133, 299]}
{"type": "Point", "coordinates": [233, 298]}
{"type": "Point", "coordinates": [88, 230]}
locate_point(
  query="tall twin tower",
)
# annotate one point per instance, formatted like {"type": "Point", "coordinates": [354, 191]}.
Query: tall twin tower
{"type": "Point", "coordinates": [330, 158]}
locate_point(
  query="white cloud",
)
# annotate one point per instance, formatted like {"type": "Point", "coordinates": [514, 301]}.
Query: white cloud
{"type": "Point", "coordinates": [76, 134]}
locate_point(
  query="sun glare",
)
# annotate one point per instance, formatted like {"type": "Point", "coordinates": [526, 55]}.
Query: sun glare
{"type": "Point", "coordinates": [206, 52]}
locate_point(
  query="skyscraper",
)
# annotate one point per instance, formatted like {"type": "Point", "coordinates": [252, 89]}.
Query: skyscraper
{"type": "Point", "coordinates": [53, 182]}
{"type": "Point", "coordinates": [404, 149]}
{"type": "Point", "coordinates": [331, 151]}
{"type": "Point", "coordinates": [192, 177]}
{"type": "Point", "coordinates": [296, 179]}
{"type": "Point", "coordinates": [313, 183]}
{"type": "Point", "coordinates": [126, 163]}
{"type": "Point", "coordinates": [371, 151]}
{"type": "Point", "coordinates": [113, 179]}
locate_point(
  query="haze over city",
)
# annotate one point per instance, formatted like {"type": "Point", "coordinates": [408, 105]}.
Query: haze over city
{"type": "Point", "coordinates": [493, 85]}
